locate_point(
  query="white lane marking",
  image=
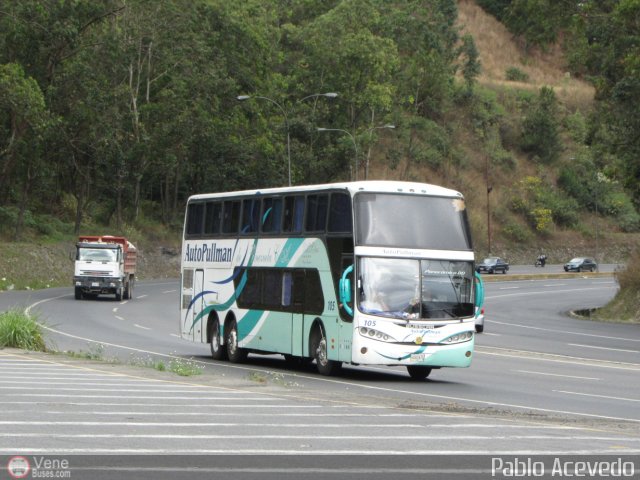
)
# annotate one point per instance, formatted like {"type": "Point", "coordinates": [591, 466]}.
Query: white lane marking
{"type": "Point", "coordinates": [202, 390]}
{"type": "Point", "coordinates": [564, 331]}
{"type": "Point", "coordinates": [541, 292]}
{"type": "Point", "coordinates": [509, 288]}
{"type": "Point", "coordinates": [315, 451]}
{"type": "Point", "coordinates": [115, 309]}
{"type": "Point", "coordinates": [603, 348]}
{"type": "Point", "coordinates": [598, 396]}
{"type": "Point", "coordinates": [492, 334]}
{"type": "Point", "coordinates": [555, 285]}
{"type": "Point", "coordinates": [315, 436]}
{"type": "Point", "coordinates": [140, 326]}
{"type": "Point", "coordinates": [227, 406]}
{"type": "Point", "coordinates": [119, 318]}
{"type": "Point", "coordinates": [552, 357]}
{"type": "Point", "coordinates": [142, 296]}
{"type": "Point", "coordinates": [169, 291]}
{"type": "Point", "coordinates": [174, 335]}
{"type": "Point", "coordinates": [556, 375]}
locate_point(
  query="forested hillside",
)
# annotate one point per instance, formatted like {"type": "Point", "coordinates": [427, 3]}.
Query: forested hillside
{"type": "Point", "coordinates": [112, 112]}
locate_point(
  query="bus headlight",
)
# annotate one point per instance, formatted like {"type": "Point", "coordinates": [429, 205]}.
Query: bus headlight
{"type": "Point", "coordinates": [375, 334]}
{"type": "Point", "coordinates": [458, 338]}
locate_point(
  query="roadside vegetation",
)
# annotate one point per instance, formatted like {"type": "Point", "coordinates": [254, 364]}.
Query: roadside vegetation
{"type": "Point", "coordinates": [19, 330]}
{"type": "Point", "coordinates": [625, 306]}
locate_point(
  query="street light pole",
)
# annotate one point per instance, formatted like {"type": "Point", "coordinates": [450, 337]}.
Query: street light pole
{"type": "Point", "coordinates": [353, 139]}
{"type": "Point", "coordinates": [286, 117]}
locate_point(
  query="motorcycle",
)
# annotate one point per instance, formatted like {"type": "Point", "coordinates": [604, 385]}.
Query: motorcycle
{"type": "Point", "coordinates": [541, 261]}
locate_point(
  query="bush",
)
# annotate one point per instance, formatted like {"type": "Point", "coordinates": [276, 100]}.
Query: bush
{"type": "Point", "coordinates": [514, 74]}
{"type": "Point", "coordinates": [18, 330]}
{"type": "Point", "coordinates": [516, 232]}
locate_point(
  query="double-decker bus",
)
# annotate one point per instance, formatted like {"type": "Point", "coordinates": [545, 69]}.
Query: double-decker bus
{"type": "Point", "coordinates": [365, 273]}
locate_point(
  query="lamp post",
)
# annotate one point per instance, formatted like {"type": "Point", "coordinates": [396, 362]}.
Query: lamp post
{"type": "Point", "coordinates": [353, 139]}
{"type": "Point", "coordinates": [242, 98]}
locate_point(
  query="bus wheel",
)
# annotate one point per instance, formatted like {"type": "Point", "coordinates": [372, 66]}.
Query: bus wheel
{"type": "Point", "coordinates": [418, 373]}
{"type": "Point", "coordinates": [319, 350]}
{"type": "Point", "coordinates": [234, 352]}
{"type": "Point", "coordinates": [218, 352]}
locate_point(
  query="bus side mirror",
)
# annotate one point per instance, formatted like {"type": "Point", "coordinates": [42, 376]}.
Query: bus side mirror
{"type": "Point", "coordinates": [345, 289]}
{"type": "Point", "coordinates": [479, 290]}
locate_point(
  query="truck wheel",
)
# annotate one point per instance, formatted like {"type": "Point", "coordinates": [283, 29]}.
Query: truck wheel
{"type": "Point", "coordinates": [128, 291]}
{"type": "Point", "coordinates": [119, 294]}
{"type": "Point", "coordinates": [78, 293]}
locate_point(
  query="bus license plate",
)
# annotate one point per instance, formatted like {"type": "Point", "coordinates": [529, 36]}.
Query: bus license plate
{"type": "Point", "coordinates": [417, 357]}
{"type": "Point", "coordinates": [95, 284]}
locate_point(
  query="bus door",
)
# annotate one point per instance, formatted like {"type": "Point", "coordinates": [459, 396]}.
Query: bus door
{"type": "Point", "coordinates": [198, 287]}
{"type": "Point", "coordinates": [347, 323]}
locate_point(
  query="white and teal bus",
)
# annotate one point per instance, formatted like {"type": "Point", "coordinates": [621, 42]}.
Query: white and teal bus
{"type": "Point", "coordinates": [366, 273]}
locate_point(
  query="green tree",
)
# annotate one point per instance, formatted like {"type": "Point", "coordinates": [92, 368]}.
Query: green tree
{"type": "Point", "coordinates": [540, 135]}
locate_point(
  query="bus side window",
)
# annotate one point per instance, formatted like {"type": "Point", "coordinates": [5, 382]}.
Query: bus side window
{"type": "Point", "coordinates": [287, 287]}
{"type": "Point", "coordinates": [231, 216]}
{"type": "Point", "coordinates": [316, 213]}
{"type": "Point", "coordinates": [195, 220]}
{"type": "Point", "coordinates": [293, 214]}
{"type": "Point", "coordinates": [212, 218]}
{"type": "Point", "coordinates": [250, 215]}
{"type": "Point", "coordinates": [271, 215]}
{"type": "Point", "coordinates": [340, 215]}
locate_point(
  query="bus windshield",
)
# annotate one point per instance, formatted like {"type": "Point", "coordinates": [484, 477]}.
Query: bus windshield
{"type": "Point", "coordinates": [415, 289]}
{"type": "Point", "coordinates": [411, 221]}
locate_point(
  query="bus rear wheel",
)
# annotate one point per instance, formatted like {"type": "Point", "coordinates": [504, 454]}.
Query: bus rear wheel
{"type": "Point", "coordinates": [234, 352]}
{"type": "Point", "coordinates": [418, 373]}
{"type": "Point", "coordinates": [218, 352]}
{"type": "Point", "coordinates": [319, 351]}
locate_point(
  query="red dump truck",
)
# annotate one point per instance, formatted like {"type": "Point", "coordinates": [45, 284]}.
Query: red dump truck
{"type": "Point", "coordinates": [104, 265]}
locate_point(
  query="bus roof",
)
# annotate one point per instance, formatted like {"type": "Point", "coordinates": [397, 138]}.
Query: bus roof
{"type": "Point", "coordinates": [382, 186]}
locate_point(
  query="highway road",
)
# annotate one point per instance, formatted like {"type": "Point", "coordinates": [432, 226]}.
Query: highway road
{"type": "Point", "coordinates": [541, 382]}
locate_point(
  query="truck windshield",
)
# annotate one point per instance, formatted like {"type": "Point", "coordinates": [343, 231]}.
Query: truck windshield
{"type": "Point", "coordinates": [415, 289]}
{"type": "Point", "coordinates": [97, 254]}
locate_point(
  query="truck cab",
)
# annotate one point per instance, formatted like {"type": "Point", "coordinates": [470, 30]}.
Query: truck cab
{"type": "Point", "coordinates": [104, 265]}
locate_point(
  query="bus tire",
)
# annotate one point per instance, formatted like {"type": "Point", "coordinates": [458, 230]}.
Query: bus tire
{"type": "Point", "coordinates": [218, 351]}
{"type": "Point", "coordinates": [234, 352]}
{"type": "Point", "coordinates": [417, 372]}
{"type": "Point", "coordinates": [319, 351]}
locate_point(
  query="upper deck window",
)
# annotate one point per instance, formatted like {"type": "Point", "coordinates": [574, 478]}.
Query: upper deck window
{"type": "Point", "coordinates": [411, 221]}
